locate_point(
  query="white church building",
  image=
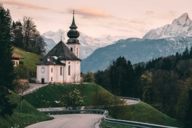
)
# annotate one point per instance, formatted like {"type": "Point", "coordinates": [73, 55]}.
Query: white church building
{"type": "Point", "coordinates": [62, 63]}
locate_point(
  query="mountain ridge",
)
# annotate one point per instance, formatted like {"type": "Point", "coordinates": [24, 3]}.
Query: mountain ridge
{"type": "Point", "coordinates": [181, 26]}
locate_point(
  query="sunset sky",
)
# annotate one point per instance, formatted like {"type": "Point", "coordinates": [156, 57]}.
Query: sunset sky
{"type": "Point", "coordinates": [130, 18]}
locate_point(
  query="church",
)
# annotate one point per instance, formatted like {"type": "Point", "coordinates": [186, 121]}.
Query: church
{"type": "Point", "coordinates": [62, 63]}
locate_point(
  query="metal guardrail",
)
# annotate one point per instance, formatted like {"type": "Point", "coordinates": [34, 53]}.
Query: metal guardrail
{"type": "Point", "coordinates": [105, 117]}
{"type": "Point", "coordinates": [130, 98]}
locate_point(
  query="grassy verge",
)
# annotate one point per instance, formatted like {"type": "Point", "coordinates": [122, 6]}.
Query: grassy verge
{"type": "Point", "coordinates": [105, 124]}
{"type": "Point", "coordinates": [141, 112]}
{"type": "Point", "coordinates": [24, 114]}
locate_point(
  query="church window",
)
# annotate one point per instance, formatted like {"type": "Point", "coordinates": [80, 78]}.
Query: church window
{"type": "Point", "coordinates": [69, 70]}
{"type": "Point", "coordinates": [61, 72]}
{"type": "Point", "coordinates": [51, 69]}
{"type": "Point", "coordinates": [72, 49]}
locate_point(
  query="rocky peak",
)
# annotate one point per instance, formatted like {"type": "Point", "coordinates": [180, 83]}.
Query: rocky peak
{"type": "Point", "coordinates": [183, 20]}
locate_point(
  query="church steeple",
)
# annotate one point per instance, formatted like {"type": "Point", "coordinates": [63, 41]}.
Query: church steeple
{"type": "Point", "coordinates": [73, 34]}
{"type": "Point", "coordinates": [73, 25]}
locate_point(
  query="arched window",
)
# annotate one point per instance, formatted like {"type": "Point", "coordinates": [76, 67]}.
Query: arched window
{"type": "Point", "coordinates": [72, 49]}
{"type": "Point", "coordinates": [61, 72]}
{"type": "Point", "coordinates": [69, 70]}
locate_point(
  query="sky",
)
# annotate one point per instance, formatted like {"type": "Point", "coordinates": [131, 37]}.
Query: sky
{"type": "Point", "coordinates": [96, 18]}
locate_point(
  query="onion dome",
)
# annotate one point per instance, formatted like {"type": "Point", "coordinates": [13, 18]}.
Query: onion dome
{"type": "Point", "coordinates": [73, 34]}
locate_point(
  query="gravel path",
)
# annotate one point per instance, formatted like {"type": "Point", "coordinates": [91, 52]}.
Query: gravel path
{"type": "Point", "coordinates": [70, 121]}
{"type": "Point", "coordinates": [33, 87]}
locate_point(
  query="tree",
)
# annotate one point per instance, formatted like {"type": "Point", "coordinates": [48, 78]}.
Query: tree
{"type": "Point", "coordinates": [7, 75]}
{"type": "Point", "coordinates": [32, 40]}
{"type": "Point", "coordinates": [16, 34]}
{"type": "Point", "coordinates": [74, 98]}
{"type": "Point", "coordinates": [89, 77]}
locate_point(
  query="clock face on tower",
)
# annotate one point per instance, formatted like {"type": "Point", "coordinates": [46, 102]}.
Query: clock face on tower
{"type": "Point", "coordinates": [43, 69]}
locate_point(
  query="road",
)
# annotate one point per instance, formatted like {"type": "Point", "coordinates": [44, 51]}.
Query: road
{"type": "Point", "coordinates": [70, 121]}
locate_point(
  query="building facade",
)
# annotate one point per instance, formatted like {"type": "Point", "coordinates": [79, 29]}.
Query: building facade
{"type": "Point", "coordinates": [62, 63]}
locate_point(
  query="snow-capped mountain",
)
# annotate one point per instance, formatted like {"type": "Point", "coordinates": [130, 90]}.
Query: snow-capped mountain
{"type": "Point", "coordinates": [160, 42]}
{"type": "Point", "coordinates": [88, 44]}
{"type": "Point", "coordinates": [181, 26]}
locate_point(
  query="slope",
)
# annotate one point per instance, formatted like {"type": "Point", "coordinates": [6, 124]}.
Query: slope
{"type": "Point", "coordinates": [29, 59]}
{"type": "Point", "coordinates": [23, 115]}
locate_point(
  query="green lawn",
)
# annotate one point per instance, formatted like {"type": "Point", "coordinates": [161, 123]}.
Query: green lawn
{"type": "Point", "coordinates": [30, 59]}
{"type": "Point", "coordinates": [91, 93]}
{"type": "Point", "coordinates": [24, 114]}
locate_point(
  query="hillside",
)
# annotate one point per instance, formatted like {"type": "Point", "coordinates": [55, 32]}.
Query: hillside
{"type": "Point", "coordinates": [29, 59]}
{"type": "Point", "coordinates": [23, 115]}
{"type": "Point", "coordinates": [96, 95]}
{"type": "Point", "coordinates": [54, 95]}
{"type": "Point", "coordinates": [142, 112]}
{"type": "Point", "coordinates": [136, 50]}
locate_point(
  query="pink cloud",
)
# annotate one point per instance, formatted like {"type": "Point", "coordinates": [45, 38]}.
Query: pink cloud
{"type": "Point", "coordinates": [90, 12]}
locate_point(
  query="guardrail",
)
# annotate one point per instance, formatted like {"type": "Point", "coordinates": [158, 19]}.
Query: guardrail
{"type": "Point", "coordinates": [105, 113]}
{"type": "Point", "coordinates": [130, 98]}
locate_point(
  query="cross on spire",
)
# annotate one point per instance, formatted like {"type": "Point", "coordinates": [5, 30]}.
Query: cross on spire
{"type": "Point", "coordinates": [73, 25]}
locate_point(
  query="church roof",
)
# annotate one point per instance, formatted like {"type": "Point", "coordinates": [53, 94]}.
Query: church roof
{"type": "Point", "coordinates": [58, 53]}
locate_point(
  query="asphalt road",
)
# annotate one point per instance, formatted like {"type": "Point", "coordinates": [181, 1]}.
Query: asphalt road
{"type": "Point", "coordinates": [70, 121]}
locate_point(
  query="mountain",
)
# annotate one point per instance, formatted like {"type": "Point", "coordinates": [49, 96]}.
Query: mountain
{"type": "Point", "coordinates": [160, 42]}
{"type": "Point", "coordinates": [88, 44]}
{"type": "Point", "coordinates": [181, 26]}
{"type": "Point", "coordinates": [49, 43]}
{"type": "Point", "coordinates": [136, 50]}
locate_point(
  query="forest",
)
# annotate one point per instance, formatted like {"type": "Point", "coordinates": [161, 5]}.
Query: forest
{"type": "Point", "coordinates": [165, 83]}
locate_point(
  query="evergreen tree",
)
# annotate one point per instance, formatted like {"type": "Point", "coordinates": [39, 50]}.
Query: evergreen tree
{"type": "Point", "coordinates": [16, 34]}
{"type": "Point", "coordinates": [6, 65]}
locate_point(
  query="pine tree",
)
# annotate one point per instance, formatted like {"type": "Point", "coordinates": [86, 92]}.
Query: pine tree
{"type": "Point", "coordinates": [6, 65]}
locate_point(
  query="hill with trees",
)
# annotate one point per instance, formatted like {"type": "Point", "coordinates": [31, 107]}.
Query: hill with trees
{"type": "Point", "coordinates": [164, 83]}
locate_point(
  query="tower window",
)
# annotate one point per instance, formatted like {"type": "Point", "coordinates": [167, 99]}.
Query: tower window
{"type": "Point", "coordinates": [61, 71]}
{"type": "Point", "coordinates": [69, 70]}
{"type": "Point", "coordinates": [72, 49]}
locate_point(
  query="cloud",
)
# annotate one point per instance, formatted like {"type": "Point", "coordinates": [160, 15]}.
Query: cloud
{"type": "Point", "coordinates": [25, 5]}
{"type": "Point", "coordinates": [90, 13]}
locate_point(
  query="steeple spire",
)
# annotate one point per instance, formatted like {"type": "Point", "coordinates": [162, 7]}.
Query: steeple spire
{"type": "Point", "coordinates": [73, 25]}
{"type": "Point", "coordinates": [73, 34]}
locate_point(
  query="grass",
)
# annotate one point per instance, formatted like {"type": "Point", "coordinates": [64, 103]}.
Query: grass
{"type": "Point", "coordinates": [23, 115]}
{"type": "Point", "coordinates": [142, 112]}
{"type": "Point", "coordinates": [92, 95]}
{"type": "Point", "coordinates": [105, 124]}
{"type": "Point", "coordinates": [29, 59]}
{"type": "Point", "coordinates": [96, 95]}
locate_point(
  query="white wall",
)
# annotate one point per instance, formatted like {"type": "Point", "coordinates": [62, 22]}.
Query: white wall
{"type": "Point", "coordinates": [52, 73]}
{"type": "Point", "coordinates": [42, 75]}
{"type": "Point", "coordinates": [76, 49]}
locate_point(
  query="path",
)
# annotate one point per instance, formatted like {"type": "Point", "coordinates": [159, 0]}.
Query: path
{"type": "Point", "coordinates": [70, 121]}
{"type": "Point", "coordinates": [33, 87]}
